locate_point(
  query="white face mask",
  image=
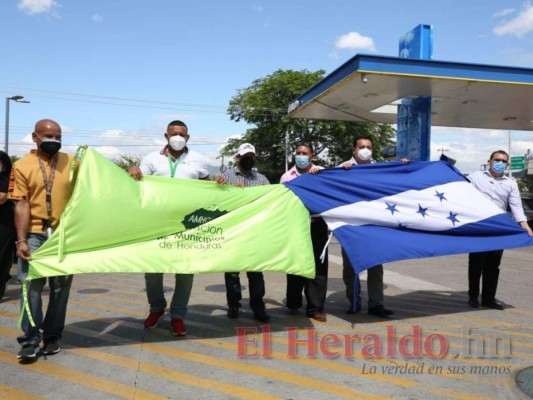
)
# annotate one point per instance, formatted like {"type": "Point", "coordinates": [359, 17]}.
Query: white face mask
{"type": "Point", "coordinates": [364, 154]}
{"type": "Point", "coordinates": [177, 142]}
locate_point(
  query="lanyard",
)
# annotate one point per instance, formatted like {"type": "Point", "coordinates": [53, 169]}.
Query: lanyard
{"type": "Point", "coordinates": [48, 182]}
{"type": "Point", "coordinates": [173, 165]}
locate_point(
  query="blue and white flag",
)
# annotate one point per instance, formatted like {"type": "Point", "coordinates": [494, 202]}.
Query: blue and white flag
{"type": "Point", "coordinates": [392, 211]}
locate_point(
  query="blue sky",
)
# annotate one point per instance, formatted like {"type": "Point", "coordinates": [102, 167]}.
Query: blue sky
{"type": "Point", "coordinates": [114, 73]}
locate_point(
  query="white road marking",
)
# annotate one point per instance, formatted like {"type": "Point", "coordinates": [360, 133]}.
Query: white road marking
{"type": "Point", "coordinates": [110, 327]}
{"type": "Point", "coordinates": [396, 279]}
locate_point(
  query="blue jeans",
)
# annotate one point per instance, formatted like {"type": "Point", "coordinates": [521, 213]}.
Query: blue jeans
{"type": "Point", "coordinates": [180, 299]}
{"type": "Point", "coordinates": [54, 321]}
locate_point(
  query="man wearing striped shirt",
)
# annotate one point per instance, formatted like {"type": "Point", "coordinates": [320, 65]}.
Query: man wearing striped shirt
{"type": "Point", "coordinates": [243, 174]}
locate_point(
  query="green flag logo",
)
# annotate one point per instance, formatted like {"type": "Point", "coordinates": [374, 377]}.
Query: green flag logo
{"type": "Point", "coordinates": [200, 217]}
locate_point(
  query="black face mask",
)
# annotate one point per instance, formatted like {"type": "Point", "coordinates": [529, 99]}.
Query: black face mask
{"type": "Point", "coordinates": [50, 147]}
{"type": "Point", "coordinates": [247, 163]}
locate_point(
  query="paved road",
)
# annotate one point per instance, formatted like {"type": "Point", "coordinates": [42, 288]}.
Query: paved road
{"type": "Point", "coordinates": [107, 354]}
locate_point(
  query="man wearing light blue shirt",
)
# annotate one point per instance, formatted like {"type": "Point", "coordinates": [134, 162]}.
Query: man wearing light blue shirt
{"type": "Point", "coordinates": [504, 193]}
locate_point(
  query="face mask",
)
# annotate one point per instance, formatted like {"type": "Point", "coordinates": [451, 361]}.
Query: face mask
{"type": "Point", "coordinates": [364, 154]}
{"type": "Point", "coordinates": [50, 146]}
{"type": "Point", "coordinates": [177, 142]}
{"type": "Point", "coordinates": [247, 163]}
{"type": "Point", "coordinates": [302, 162]}
{"type": "Point", "coordinates": [498, 167]}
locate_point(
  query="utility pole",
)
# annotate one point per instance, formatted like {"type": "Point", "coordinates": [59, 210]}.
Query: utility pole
{"type": "Point", "coordinates": [286, 150]}
{"type": "Point", "coordinates": [509, 152]}
{"type": "Point", "coordinates": [16, 99]}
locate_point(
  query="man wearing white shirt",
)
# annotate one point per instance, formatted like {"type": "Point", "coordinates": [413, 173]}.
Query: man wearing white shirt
{"type": "Point", "coordinates": [362, 154]}
{"type": "Point", "coordinates": [175, 160]}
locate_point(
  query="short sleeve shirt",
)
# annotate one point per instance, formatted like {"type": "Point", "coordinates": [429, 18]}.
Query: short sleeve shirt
{"type": "Point", "coordinates": [29, 185]}
{"type": "Point", "coordinates": [293, 173]}
{"type": "Point", "coordinates": [190, 165]}
{"type": "Point", "coordinates": [254, 178]}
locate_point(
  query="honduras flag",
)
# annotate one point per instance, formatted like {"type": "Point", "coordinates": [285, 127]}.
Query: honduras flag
{"type": "Point", "coordinates": [391, 211]}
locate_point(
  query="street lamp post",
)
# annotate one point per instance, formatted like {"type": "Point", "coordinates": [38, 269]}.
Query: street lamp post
{"type": "Point", "coordinates": [286, 151]}
{"type": "Point", "coordinates": [17, 99]}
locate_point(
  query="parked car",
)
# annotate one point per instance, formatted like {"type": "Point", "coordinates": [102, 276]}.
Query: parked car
{"type": "Point", "coordinates": [527, 203]}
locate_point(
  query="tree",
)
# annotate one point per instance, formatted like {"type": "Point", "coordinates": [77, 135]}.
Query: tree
{"type": "Point", "coordinates": [264, 104]}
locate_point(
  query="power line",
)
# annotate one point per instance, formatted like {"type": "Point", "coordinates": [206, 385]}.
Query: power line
{"type": "Point", "coordinates": [128, 99]}
{"type": "Point", "coordinates": [113, 101]}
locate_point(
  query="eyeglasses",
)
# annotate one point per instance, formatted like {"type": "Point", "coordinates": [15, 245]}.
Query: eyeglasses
{"type": "Point", "coordinates": [500, 160]}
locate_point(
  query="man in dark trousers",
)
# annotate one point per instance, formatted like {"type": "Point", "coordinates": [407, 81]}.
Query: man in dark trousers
{"type": "Point", "coordinates": [362, 154]}
{"type": "Point", "coordinates": [243, 174]}
{"type": "Point", "coordinates": [503, 191]}
{"type": "Point", "coordinates": [315, 289]}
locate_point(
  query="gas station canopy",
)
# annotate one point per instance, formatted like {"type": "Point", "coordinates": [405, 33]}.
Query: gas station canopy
{"type": "Point", "coordinates": [369, 88]}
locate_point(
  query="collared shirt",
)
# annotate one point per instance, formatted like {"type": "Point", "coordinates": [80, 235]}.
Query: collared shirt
{"type": "Point", "coordinates": [254, 178]}
{"type": "Point", "coordinates": [190, 164]}
{"type": "Point", "coordinates": [29, 185]}
{"type": "Point", "coordinates": [293, 173]}
{"type": "Point", "coordinates": [353, 161]}
{"type": "Point", "coordinates": [503, 191]}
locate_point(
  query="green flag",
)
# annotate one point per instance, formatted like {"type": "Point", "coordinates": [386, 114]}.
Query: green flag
{"type": "Point", "coordinates": [113, 223]}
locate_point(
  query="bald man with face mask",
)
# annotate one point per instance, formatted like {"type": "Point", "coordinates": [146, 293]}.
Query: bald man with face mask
{"type": "Point", "coordinates": [41, 190]}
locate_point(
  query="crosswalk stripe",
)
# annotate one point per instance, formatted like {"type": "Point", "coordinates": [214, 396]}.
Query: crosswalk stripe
{"type": "Point", "coordinates": [80, 378]}
{"type": "Point", "coordinates": [12, 393]}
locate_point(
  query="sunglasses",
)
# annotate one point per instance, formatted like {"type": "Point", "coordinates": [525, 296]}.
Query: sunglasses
{"type": "Point", "coordinates": [500, 160]}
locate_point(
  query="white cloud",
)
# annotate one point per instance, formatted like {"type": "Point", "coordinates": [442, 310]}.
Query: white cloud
{"type": "Point", "coordinates": [355, 41]}
{"type": "Point", "coordinates": [97, 18]}
{"type": "Point", "coordinates": [37, 6]}
{"type": "Point", "coordinates": [518, 26]}
{"type": "Point", "coordinates": [258, 8]}
{"type": "Point", "coordinates": [112, 134]}
{"type": "Point", "coordinates": [472, 147]}
{"type": "Point", "coordinates": [503, 13]}
{"type": "Point", "coordinates": [28, 138]}
{"type": "Point", "coordinates": [110, 152]}
{"type": "Point", "coordinates": [66, 129]}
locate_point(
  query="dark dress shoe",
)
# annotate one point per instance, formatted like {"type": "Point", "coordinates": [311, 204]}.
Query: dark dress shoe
{"type": "Point", "coordinates": [380, 311]}
{"type": "Point", "coordinates": [473, 303]}
{"type": "Point", "coordinates": [353, 310]}
{"type": "Point", "coordinates": [261, 316]}
{"type": "Point", "coordinates": [233, 312]}
{"type": "Point", "coordinates": [494, 305]}
{"type": "Point", "coordinates": [318, 316]}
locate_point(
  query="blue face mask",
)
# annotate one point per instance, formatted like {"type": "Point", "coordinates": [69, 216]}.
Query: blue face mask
{"type": "Point", "coordinates": [302, 162]}
{"type": "Point", "coordinates": [498, 167]}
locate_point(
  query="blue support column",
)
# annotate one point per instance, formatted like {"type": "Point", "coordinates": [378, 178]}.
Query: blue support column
{"type": "Point", "coordinates": [414, 115]}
